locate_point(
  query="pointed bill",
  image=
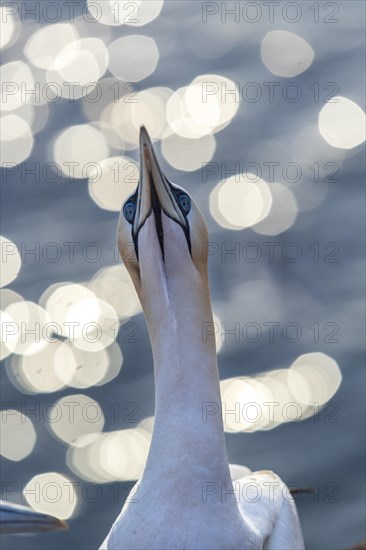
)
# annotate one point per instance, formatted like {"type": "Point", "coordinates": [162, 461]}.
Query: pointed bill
{"type": "Point", "coordinates": [20, 519]}
{"type": "Point", "coordinates": [154, 192]}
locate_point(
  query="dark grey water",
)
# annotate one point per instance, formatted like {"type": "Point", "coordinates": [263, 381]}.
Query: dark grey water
{"type": "Point", "coordinates": [326, 453]}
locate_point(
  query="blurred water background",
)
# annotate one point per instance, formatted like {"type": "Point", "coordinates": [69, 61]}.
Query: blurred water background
{"type": "Point", "coordinates": [228, 94]}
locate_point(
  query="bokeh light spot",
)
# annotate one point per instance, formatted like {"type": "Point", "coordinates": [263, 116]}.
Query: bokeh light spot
{"type": "Point", "coordinates": [44, 45]}
{"type": "Point", "coordinates": [342, 123]}
{"type": "Point", "coordinates": [79, 149]}
{"type": "Point", "coordinates": [241, 201]}
{"type": "Point", "coordinates": [285, 53]}
{"type": "Point", "coordinates": [188, 154]}
{"type": "Point", "coordinates": [51, 493]}
{"type": "Point", "coordinates": [113, 182]}
{"type": "Point", "coordinates": [75, 416]}
{"type": "Point", "coordinates": [10, 262]}
{"type": "Point", "coordinates": [18, 435]}
{"type": "Point", "coordinates": [282, 214]}
{"type": "Point", "coordinates": [31, 323]}
{"type": "Point", "coordinates": [139, 60]}
{"type": "Point", "coordinates": [114, 285]}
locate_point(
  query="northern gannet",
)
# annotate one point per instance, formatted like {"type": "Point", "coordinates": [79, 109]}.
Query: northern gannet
{"type": "Point", "coordinates": [20, 519]}
{"type": "Point", "coordinates": [185, 497]}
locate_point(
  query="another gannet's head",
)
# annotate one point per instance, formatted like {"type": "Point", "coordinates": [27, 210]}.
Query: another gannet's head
{"type": "Point", "coordinates": [162, 236]}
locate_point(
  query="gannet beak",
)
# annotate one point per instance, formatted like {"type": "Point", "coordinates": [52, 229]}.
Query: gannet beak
{"type": "Point", "coordinates": [155, 194]}
{"type": "Point", "coordinates": [20, 519]}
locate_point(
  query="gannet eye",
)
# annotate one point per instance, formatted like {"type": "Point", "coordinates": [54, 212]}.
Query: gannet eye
{"type": "Point", "coordinates": [129, 210]}
{"type": "Point", "coordinates": [184, 202]}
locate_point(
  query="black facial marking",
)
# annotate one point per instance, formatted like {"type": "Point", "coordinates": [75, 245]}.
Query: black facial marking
{"type": "Point", "coordinates": [183, 202]}
{"type": "Point", "coordinates": [157, 212]}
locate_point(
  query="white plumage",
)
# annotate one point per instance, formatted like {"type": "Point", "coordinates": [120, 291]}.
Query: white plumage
{"type": "Point", "coordinates": [186, 498]}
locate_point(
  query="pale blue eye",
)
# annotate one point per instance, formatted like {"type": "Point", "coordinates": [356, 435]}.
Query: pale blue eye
{"type": "Point", "coordinates": [129, 210]}
{"type": "Point", "coordinates": [184, 202]}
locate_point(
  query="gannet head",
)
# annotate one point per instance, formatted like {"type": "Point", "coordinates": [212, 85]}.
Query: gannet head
{"type": "Point", "coordinates": [20, 519]}
{"type": "Point", "coordinates": [162, 235]}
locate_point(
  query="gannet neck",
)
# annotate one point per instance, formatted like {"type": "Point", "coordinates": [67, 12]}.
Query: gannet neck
{"type": "Point", "coordinates": [167, 508]}
{"type": "Point", "coordinates": [177, 307]}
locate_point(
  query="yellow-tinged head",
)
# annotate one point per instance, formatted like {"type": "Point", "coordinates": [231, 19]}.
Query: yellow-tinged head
{"type": "Point", "coordinates": [161, 232]}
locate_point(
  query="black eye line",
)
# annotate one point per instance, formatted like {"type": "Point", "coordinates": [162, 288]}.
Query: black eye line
{"type": "Point", "coordinates": [177, 193]}
{"type": "Point", "coordinates": [186, 230]}
{"type": "Point", "coordinates": [135, 235]}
